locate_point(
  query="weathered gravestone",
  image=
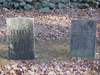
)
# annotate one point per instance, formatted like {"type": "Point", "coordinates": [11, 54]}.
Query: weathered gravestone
{"type": "Point", "coordinates": [83, 38]}
{"type": "Point", "coordinates": [20, 38]}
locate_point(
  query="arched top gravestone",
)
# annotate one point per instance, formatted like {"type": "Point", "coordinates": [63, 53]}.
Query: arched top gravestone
{"type": "Point", "coordinates": [20, 38]}
{"type": "Point", "coordinates": [83, 38]}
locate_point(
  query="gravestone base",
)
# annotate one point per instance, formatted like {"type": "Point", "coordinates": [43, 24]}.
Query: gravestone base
{"type": "Point", "coordinates": [21, 55]}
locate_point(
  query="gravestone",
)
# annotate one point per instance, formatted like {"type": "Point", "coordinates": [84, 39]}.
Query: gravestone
{"type": "Point", "coordinates": [83, 38]}
{"type": "Point", "coordinates": [20, 38]}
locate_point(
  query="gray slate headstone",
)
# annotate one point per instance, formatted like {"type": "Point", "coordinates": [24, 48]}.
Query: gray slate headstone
{"type": "Point", "coordinates": [83, 38]}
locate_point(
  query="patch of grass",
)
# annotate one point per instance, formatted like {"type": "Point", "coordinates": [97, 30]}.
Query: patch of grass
{"type": "Point", "coordinates": [51, 49]}
{"type": "Point", "coordinates": [3, 53]}
{"type": "Point", "coordinates": [44, 50]}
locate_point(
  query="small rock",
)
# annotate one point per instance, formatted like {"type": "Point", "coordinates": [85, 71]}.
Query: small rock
{"type": "Point", "coordinates": [45, 9]}
{"type": "Point", "coordinates": [5, 9]}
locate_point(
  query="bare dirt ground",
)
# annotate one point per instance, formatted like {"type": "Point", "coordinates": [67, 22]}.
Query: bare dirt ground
{"type": "Point", "coordinates": [54, 24]}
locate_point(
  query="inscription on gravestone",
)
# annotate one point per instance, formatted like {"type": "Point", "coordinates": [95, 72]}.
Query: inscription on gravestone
{"type": "Point", "coordinates": [83, 38]}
